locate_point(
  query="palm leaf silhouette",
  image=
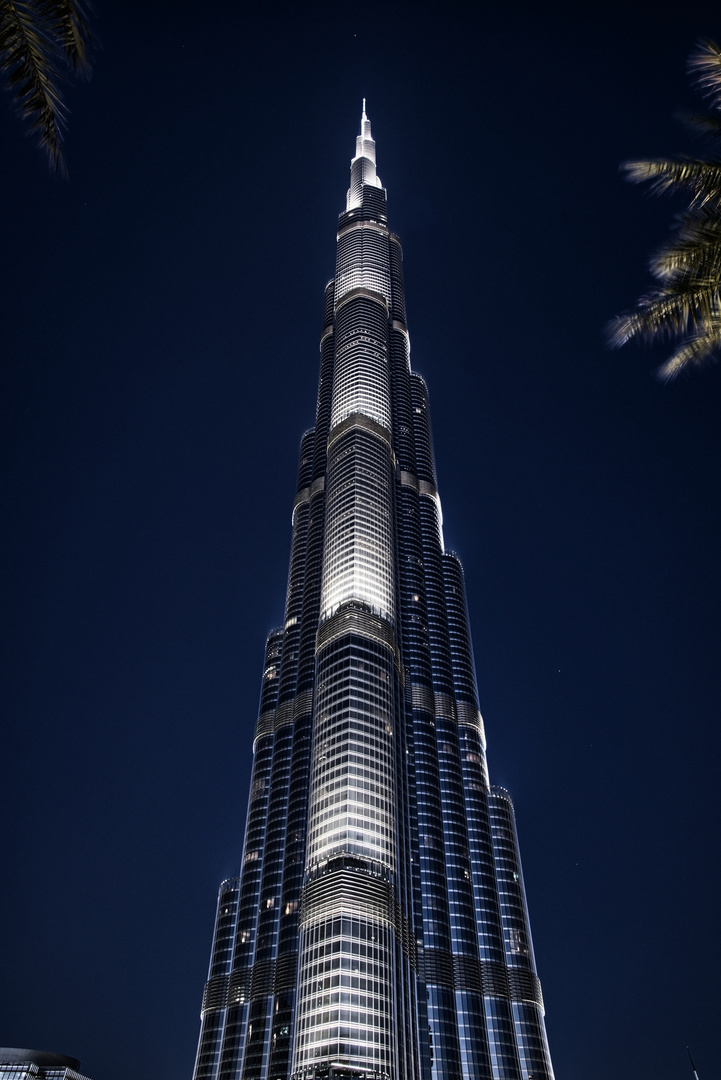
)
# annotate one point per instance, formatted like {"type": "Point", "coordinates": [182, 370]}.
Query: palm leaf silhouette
{"type": "Point", "coordinates": [685, 306]}
{"type": "Point", "coordinates": [40, 42]}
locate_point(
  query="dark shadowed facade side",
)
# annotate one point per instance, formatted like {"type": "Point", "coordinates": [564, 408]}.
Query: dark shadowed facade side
{"type": "Point", "coordinates": [379, 925]}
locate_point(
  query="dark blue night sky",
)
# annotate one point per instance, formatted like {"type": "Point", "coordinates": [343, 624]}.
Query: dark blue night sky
{"type": "Point", "coordinates": [161, 319]}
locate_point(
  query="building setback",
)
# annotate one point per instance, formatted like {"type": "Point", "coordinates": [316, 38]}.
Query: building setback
{"type": "Point", "coordinates": [378, 927]}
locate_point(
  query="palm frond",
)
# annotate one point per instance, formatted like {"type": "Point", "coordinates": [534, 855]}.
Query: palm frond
{"type": "Point", "coordinates": [67, 21]}
{"type": "Point", "coordinates": [695, 351]}
{"type": "Point", "coordinates": [665, 314]}
{"type": "Point", "coordinates": [703, 178]}
{"type": "Point", "coordinates": [704, 64]}
{"type": "Point", "coordinates": [29, 58]}
{"type": "Point", "coordinates": [695, 251]}
{"type": "Point", "coordinates": [686, 306]}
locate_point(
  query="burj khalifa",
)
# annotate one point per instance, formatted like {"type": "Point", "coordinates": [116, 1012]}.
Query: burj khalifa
{"type": "Point", "coordinates": [378, 927]}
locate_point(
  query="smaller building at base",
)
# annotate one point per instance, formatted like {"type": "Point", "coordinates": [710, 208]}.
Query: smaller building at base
{"type": "Point", "coordinates": [18, 1064]}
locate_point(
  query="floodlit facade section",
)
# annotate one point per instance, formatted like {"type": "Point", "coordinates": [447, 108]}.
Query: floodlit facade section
{"type": "Point", "coordinates": [378, 929]}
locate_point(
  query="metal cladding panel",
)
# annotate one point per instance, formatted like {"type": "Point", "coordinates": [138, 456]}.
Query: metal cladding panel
{"type": "Point", "coordinates": [358, 557]}
{"type": "Point", "coordinates": [363, 262]}
{"type": "Point", "coordinates": [378, 929]}
{"type": "Point", "coordinates": [346, 1011]}
{"type": "Point", "coordinates": [525, 988]}
{"type": "Point", "coordinates": [360, 377]}
{"type": "Point", "coordinates": [352, 802]}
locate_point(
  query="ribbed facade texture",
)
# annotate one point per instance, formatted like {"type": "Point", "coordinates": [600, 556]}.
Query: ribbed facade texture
{"type": "Point", "coordinates": [379, 926]}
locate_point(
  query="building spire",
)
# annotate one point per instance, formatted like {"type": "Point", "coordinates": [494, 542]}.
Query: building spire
{"type": "Point", "coordinates": [692, 1064]}
{"type": "Point", "coordinates": [363, 165]}
{"type": "Point", "coordinates": [365, 136]}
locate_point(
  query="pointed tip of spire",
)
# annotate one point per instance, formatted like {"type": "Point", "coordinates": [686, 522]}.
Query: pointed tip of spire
{"type": "Point", "coordinates": [365, 124]}
{"type": "Point", "coordinates": [365, 149]}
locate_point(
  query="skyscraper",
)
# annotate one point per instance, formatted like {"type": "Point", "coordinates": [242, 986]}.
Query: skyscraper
{"type": "Point", "coordinates": [379, 925]}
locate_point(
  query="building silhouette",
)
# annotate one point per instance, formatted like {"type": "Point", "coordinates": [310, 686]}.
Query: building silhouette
{"type": "Point", "coordinates": [379, 926]}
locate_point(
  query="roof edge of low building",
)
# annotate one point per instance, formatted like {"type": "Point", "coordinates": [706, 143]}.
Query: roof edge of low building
{"type": "Point", "coordinates": [13, 1055]}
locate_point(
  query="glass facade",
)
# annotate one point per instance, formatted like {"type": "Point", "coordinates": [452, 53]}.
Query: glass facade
{"type": "Point", "coordinates": [31, 1071]}
{"type": "Point", "coordinates": [379, 927]}
{"type": "Point", "coordinates": [17, 1064]}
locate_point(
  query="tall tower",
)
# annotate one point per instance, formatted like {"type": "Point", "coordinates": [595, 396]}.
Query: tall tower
{"type": "Point", "coordinates": [378, 928]}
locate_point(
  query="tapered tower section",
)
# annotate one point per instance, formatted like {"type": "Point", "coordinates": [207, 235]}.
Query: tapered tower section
{"type": "Point", "coordinates": [379, 926]}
